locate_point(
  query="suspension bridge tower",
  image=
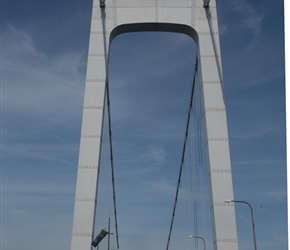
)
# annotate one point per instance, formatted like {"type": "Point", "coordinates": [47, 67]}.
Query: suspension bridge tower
{"type": "Point", "coordinates": [197, 19]}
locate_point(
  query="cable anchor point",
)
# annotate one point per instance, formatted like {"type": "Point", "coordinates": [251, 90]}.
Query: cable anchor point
{"type": "Point", "coordinates": [206, 3]}
{"type": "Point", "coordinates": [102, 4]}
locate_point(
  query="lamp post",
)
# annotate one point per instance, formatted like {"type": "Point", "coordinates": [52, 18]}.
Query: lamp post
{"type": "Point", "coordinates": [198, 237]}
{"type": "Point", "coordinates": [252, 215]}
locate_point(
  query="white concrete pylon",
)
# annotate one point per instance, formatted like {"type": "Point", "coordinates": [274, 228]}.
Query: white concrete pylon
{"type": "Point", "coordinates": [183, 16]}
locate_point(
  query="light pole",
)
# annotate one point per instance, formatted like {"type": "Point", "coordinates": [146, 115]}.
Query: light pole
{"type": "Point", "coordinates": [198, 237]}
{"type": "Point", "coordinates": [252, 215]}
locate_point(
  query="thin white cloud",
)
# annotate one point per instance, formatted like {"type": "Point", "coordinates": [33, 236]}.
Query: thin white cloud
{"type": "Point", "coordinates": [275, 196]}
{"type": "Point", "coordinates": [153, 153]}
{"type": "Point", "coordinates": [18, 43]}
{"type": "Point", "coordinates": [36, 82]}
{"type": "Point", "coordinates": [36, 188]}
{"type": "Point", "coordinates": [162, 186]}
{"type": "Point", "coordinates": [242, 31]}
{"type": "Point", "coordinates": [256, 131]}
{"type": "Point", "coordinates": [42, 95]}
{"type": "Point", "coordinates": [30, 153]}
{"type": "Point", "coordinates": [250, 17]}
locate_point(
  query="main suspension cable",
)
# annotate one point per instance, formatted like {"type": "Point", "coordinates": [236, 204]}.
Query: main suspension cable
{"type": "Point", "coordinates": [103, 13]}
{"type": "Point", "coordinates": [183, 154]}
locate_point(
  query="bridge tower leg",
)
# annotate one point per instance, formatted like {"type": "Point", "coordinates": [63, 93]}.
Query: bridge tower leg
{"type": "Point", "coordinates": [113, 17]}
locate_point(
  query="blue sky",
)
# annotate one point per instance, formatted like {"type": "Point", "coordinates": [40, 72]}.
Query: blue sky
{"type": "Point", "coordinates": [44, 53]}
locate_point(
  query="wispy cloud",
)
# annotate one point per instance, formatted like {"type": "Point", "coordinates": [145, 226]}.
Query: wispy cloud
{"type": "Point", "coordinates": [153, 153]}
{"type": "Point", "coordinates": [256, 132]}
{"type": "Point", "coordinates": [162, 186]}
{"type": "Point", "coordinates": [36, 82]}
{"type": "Point", "coordinates": [242, 31]}
{"type": "Point", "coordinates": [18, 43]}
{"type": "Point", "coordinates": [247, 16]}
{"type": "Point", "coordinates": [43, 187]}
{"type": "Point", "coordinates": [251, 17]}
{"type": "Point", "coordinates": [32, 154]}
{"type": "Point", "coordinates": [42, 99]}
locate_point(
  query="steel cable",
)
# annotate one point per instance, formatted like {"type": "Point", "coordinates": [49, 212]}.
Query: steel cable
{"type": "Point", "coordinates": [183, 154]}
